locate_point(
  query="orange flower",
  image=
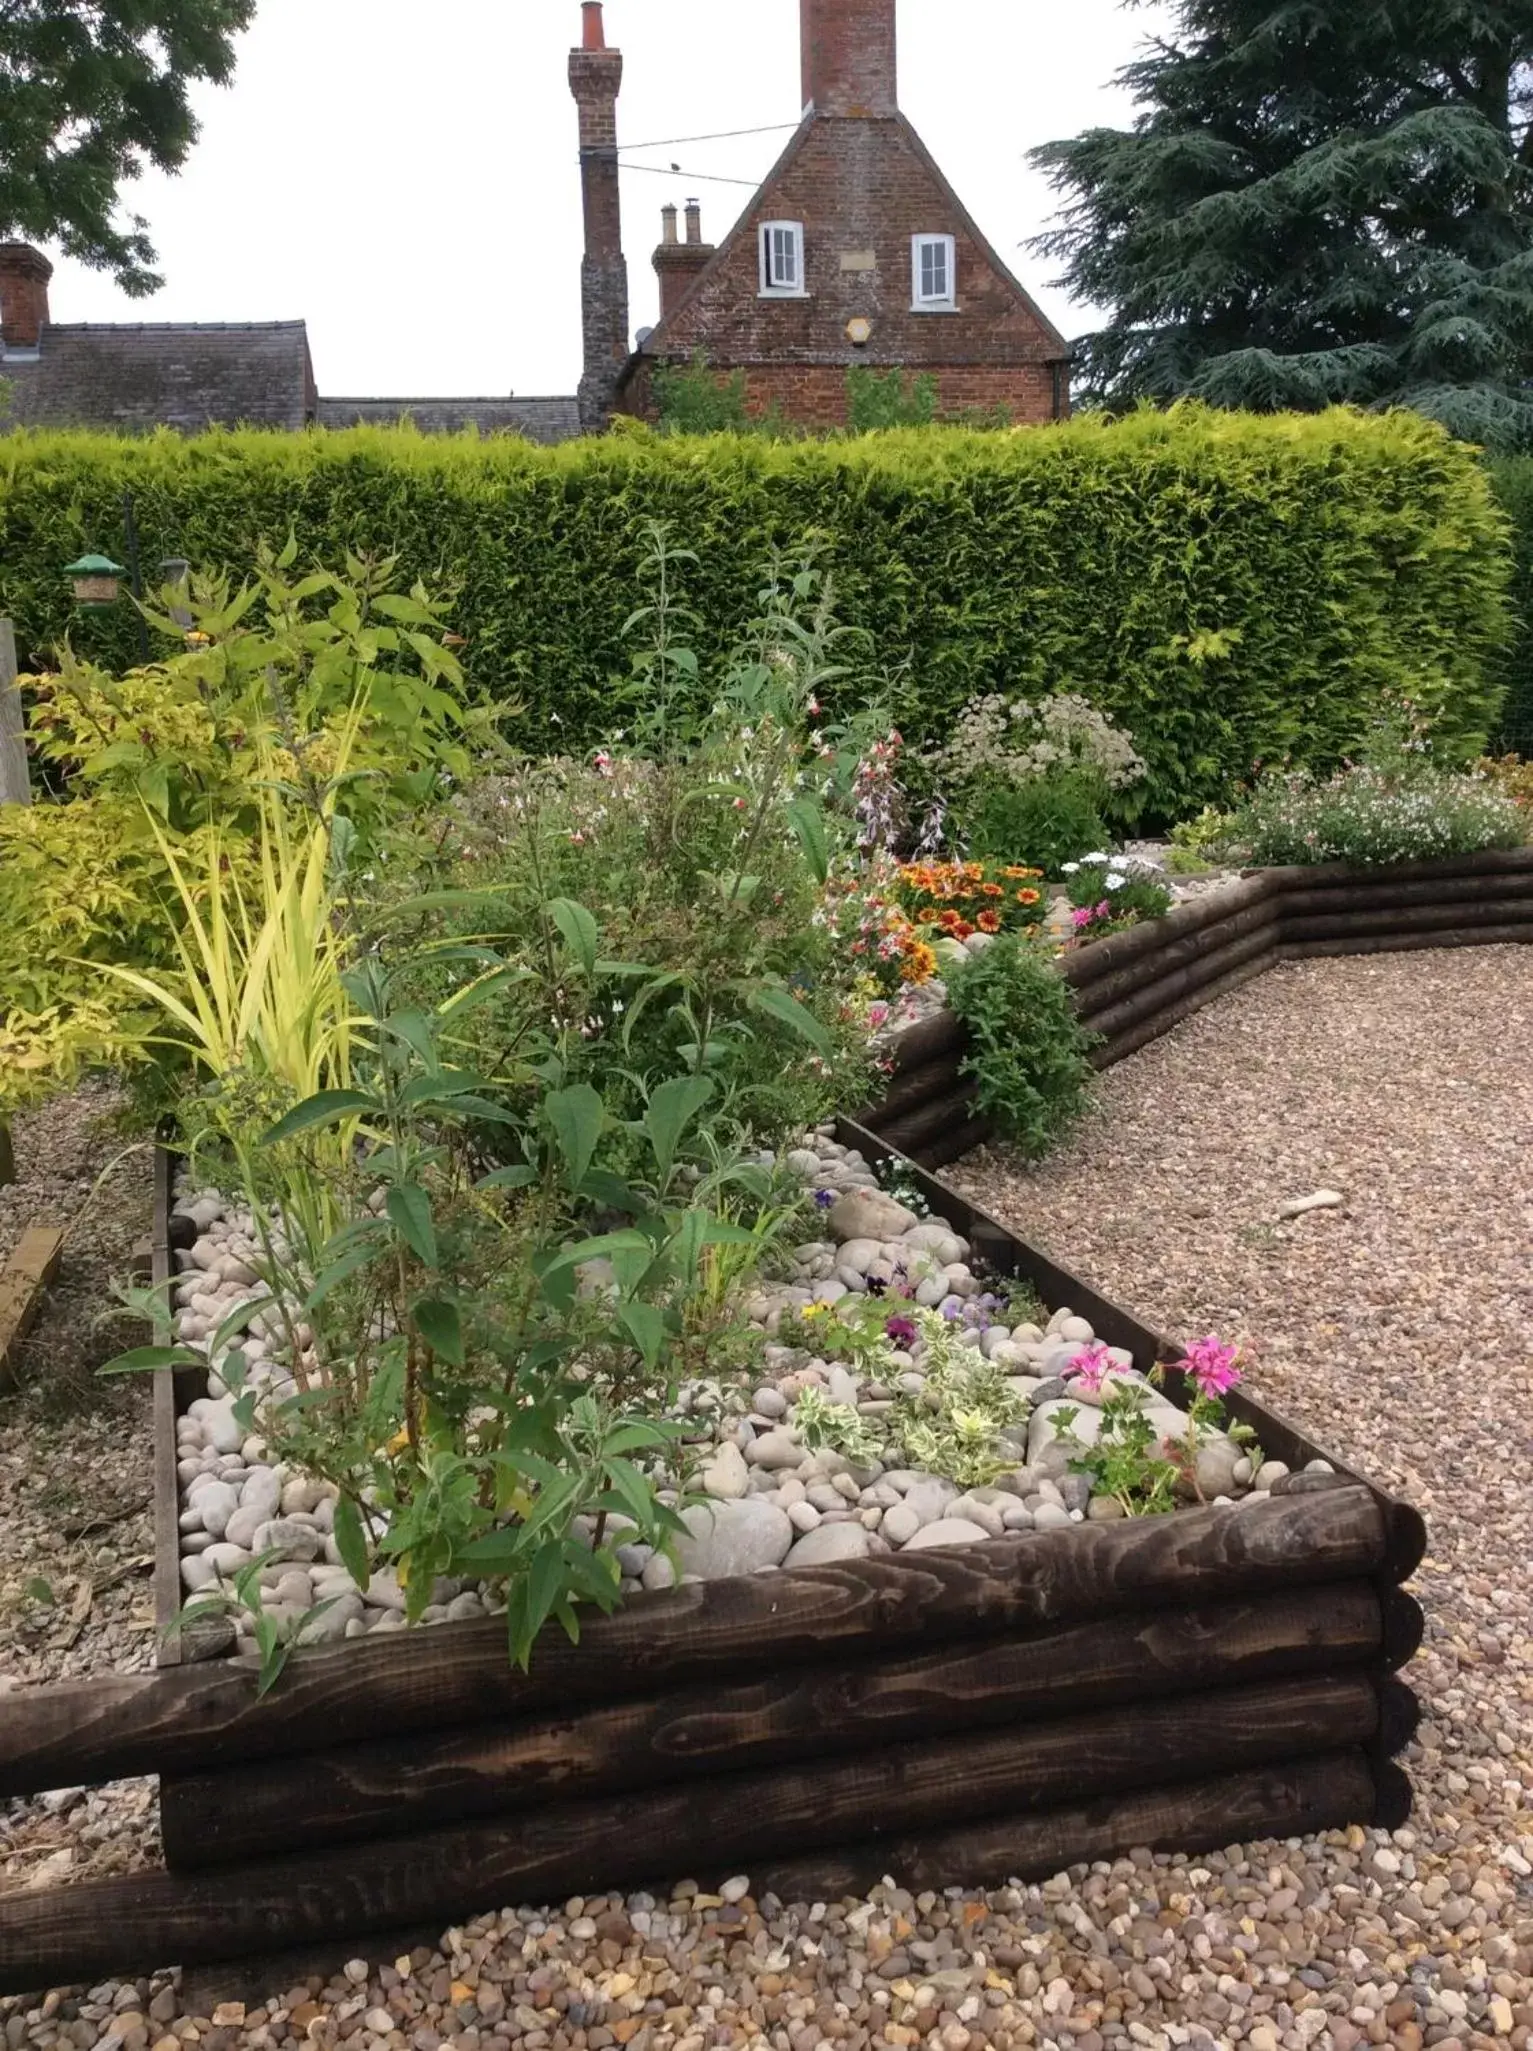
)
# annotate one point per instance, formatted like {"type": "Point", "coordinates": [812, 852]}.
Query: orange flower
{"type": "Point", "coordinates": [1027, 896]}
{"type": "Point", "coordinates": [974, 871]}
{"type": "Point", "coordinates": [1019, 875]}
{"type": "Point", "coordinates": [963, 930]}
{"type": "Point", "coordinates": [920, 964]}
{"type": "Point", "coordinates": [989, 922]}
{"type": "Point", "coordinates": [949, 921]}
{"type": "Point", "coordinates": [991, 890]}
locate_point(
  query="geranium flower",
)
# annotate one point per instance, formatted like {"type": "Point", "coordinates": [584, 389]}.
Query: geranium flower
{"type": "Point", "coordinates": [1214, 1367]}
{"type": "Point", "coordinates": [1090, 1367]}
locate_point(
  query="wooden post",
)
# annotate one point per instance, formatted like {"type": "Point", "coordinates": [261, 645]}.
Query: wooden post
{"type": "Point", "coordinates": [15, 783]}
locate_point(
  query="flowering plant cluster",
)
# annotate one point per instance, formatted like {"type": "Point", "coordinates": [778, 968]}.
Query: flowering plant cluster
{"type": "Point", "coordinates": [1130, 1460]}
{"type": "Point", "coordinates": [1110, 892]}
{"type": "Point", "coordinates": [1021, 741]}
{"type": "Point", "coordinates": [955, 900]}
{"type": "Point", "coordinates": [1368, 814]}
{"type": "Point", "coordinates": [861, 908]}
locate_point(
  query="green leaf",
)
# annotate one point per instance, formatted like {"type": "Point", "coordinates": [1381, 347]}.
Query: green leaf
{"type": "Point", "coordinates": [437, 1087]}
{"type": "Point", "coordinates": [646, 1327]}
{"type": "Point", "coordinates": [601, 1248]}
{"type": "Point", "coordinates": [671, 1109]}
{"type": "Point", "coordinates": [781, 1004]}
{"type": "Point", "coordinates": [409, 1212]}
{"type": "Point", "coordinates": [327, 1108]}
{"type": "Point", "coordinates": [508, 1178]}
{"type": "Point", "coordinates": [144, 1359]}
{"type": "Point", "coordinates": [351, 1541]}
{"type": "Point", "coordinates": [578, 1118]}
{"type": "Point", "coordinates": [808, 822]}
{"type": "Point", "coordinates": [439, 1324]}
{"type": "Point", "coordinates": [578, 928]}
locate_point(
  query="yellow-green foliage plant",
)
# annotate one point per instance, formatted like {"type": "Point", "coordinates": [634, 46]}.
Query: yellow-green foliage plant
{"type": "Point", "coordinates": [335, 691]}
{"type": "Point", "coordinates": [1232, 589]}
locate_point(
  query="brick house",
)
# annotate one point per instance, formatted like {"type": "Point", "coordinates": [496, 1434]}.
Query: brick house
{"type": "Point", "coordinates": [855, 250]}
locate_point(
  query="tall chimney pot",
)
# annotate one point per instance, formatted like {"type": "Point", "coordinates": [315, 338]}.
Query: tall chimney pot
{"type": "Point", "coordinates": [694, 220]}
{"type": "Point", "coordinates": [593, 35]}
{"type": "Point", "coordinates": [668, 225]}
{"type": "Point", "coordinates": [24, 275]}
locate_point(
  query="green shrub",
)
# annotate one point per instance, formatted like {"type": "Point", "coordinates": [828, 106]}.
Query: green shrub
{"type": "Point", "coordinates": [1028, 1053]}
{"type": "Point", "coordinates": [1112, 892]}
{"type": "Point", "coordinates": [1048, 820]}
{"type": "Point", "coordinates": [1230, 589]}
{"type": "Point", "coordinates": [1512, 480]}
{"type": "Point", "coordinates": [1362, 814]}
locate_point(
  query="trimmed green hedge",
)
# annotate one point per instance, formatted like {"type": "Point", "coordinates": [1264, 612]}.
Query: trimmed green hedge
{"type": "Point", "coordinates": [1231, 588]}
{"type": "Point", "coordinates": [1512, 478]}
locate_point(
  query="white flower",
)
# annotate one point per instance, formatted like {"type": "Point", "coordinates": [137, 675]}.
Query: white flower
{"type": "Point", "coordinates": [1113, 882]}
{"type": "Point", "coordinates": [1070, 868]}
{"type": "Point", "coordinates": [1096, 858]}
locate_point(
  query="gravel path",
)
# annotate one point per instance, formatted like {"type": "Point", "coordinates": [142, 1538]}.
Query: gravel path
{"type": "Point", "coordinates": [1398, 1329]}
{"type": "Point", "coordinates": [76, 1545]}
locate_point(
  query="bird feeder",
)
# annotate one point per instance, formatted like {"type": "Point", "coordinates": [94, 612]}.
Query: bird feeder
{"type": "Point", "coordinates": [95, 581]}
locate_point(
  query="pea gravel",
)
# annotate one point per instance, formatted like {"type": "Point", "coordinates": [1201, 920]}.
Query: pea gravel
{"type": "Point", "coordinates": [1396, 1327]}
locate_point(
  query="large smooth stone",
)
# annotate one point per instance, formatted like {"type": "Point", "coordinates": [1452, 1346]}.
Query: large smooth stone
{"type": "Point", "coordinates": [217, 1503]}
{"type": "Point", "coordinates": [946, 1531]}
{"type": "Point", "coordinates": [726, 1476]}
{"type": "Point", "coordinates": [868, 1214]}
{"type": "Point", "coordinates": [775, 1450]}
{"type": "Point", "coordinates": [724, 1539]}
{"type": "Point", "coordinates": [929, 1498]}
{"type": "Point", "coordinates": [831, 1542]}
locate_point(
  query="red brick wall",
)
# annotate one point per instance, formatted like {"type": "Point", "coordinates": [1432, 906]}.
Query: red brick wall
{"type": "Point", "coordinates": [814, 395]}
{"type": "Point", "coordinates": [24, 275]}
{"type": "Point", "coordinates": [862, 188]}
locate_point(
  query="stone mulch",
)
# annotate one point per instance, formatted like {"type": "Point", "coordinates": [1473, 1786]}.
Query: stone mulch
{"type": "Point", "coordinates": [1397, 1329]}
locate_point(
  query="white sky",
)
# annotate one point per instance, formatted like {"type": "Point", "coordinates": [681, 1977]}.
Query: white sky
{"type": "Point", "coordinates": [404, 176]}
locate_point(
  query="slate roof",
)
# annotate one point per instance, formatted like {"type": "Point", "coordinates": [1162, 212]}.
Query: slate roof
{"type": "Point", "coordinates": [132, 378]}
{"type": "Point", "coordinates": [539, 420]}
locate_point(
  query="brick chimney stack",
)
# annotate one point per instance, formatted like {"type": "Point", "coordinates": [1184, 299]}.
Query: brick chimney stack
{"type": "Point", "coordinates": [848, 49]}
{"type": "Point", "coordinates": [678, 263]}
{"type": "Point", "coordinates": [596, 77]}
{"type": "Point", "coordinates": [24, 275]}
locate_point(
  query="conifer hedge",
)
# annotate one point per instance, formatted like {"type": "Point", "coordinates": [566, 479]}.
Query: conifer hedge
{"type": "Point", "coordinates": [1512, 478]}
{"type": "Point", "coordinates": [1231, 588]}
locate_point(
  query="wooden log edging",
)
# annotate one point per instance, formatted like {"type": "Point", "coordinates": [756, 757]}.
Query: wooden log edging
{"type": "Point", "coordinates": [589, 1846]}
{"type": "Point", "coordinates": [1135, 986]}
{"type": "Point", "coordinates": [209, 1715]}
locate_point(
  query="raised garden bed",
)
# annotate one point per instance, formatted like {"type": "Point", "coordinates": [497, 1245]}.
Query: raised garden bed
{"type": "Point", "coordinates": [1134, 987]}
{"type": "Point", "coordinates": [953, 1716]}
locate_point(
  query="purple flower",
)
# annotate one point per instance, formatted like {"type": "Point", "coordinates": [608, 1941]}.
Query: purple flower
{"type": "Point", "coordinates": [901, 1331]}
{"type": "Point", "coordinates": [951, 1309]}
{"type": "Point", "coordinates": [825, 1198]}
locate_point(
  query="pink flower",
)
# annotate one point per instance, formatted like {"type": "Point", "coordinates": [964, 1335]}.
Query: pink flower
{"type": "Point", "coordinates": [1090, 1367]}
{"type": "Point", "coordinates": [878, 1016]}
{"type": "Point", "coordinates": [1081, 916]}
{"type": "Point", "coordinates": [1215, 1368]}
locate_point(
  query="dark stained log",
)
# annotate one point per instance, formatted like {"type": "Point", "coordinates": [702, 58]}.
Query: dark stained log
{"type": "Point", "coordinates": [909, 1088]}
{"type": "Point", "coordinates": [1155, 997]}
{"type": "Point", "coordinates": [396, 1785]}
{"type": "Point", "coordinates": [1407, 943]}
{"type": "Point", "coordinates": [1161, 1022]}
{"type": "Point", "coordinates": [167, 1486]}
{"type": "Point", "coordinates": [917, 1129]}
{"type": "Point", "coordinates": [1387, 895]}
{"type": "Point", "coordinates": [79, 1934]}
{"type": "Point", "coordinates": [1192, 948]}
{"type": "Point", "coordinates": [1086, 964]}
{"type": "Point", "coordinates": [939, 1035]}
{"type": "Point", "coordinates": [1399, 1718]}
{"type": "Point", "coordinates": [1292, 1799]}
{"type": "Point", "coordinates": [1361, 923]}
{"type": "Point", "coordinates": [1506, 862]}
{"type": "Point", "coordinates": [1404, 1628]}
{"type": "Point", "coordinates": [958, 1140]}
{"type": "Point", "coordinates": [207, 1715]}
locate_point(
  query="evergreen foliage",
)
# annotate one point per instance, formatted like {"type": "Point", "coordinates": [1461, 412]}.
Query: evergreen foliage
{"type": "Point", "coordinates": [1320, 203]}
{"type": "Point", "coordinates": [1229, 588]}
{"type": "Point", "coordinates": [92, 92]}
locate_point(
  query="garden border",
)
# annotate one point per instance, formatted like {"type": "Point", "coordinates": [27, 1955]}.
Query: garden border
{"type": "Point", "coordinates": [1134, 987]}
{"type": "Point", "coordinates": [1001, 1710]}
